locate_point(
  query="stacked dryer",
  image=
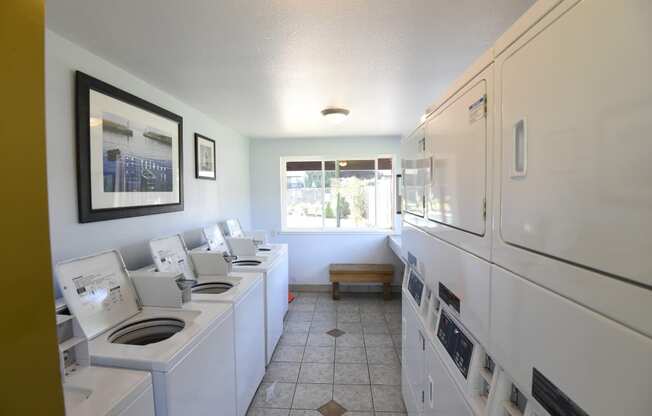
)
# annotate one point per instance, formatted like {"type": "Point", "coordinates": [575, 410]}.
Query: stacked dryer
{"type": "Point", "coordinates": [447, 239]}
{"type": "Point", "coordinates": [528, 218]}
{"type": "Point", "coordinates": [572, 274]}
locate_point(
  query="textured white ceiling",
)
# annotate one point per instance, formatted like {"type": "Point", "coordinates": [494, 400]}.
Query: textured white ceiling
{"type": "Point", "coordinates": [267, 68]}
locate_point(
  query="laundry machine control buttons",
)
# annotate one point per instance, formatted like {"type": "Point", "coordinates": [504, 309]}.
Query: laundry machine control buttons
{"type": "Point", "coordinates": [458, 345]}
{"type": "Point", "coordinates": [415, 286]}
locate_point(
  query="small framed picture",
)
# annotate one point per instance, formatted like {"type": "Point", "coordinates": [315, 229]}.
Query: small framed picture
{"type": "Point", "coordinates": [204, 157]}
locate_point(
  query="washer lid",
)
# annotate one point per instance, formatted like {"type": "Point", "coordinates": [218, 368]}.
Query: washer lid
{"type": "Point", "coordinates": [235, 230]}
{"type": "Point", "coordinates": [170, 255]}
{"type": "Point", "coordinates": [215, 239]}
{"type": "Point", "coordinates": [98, 291]}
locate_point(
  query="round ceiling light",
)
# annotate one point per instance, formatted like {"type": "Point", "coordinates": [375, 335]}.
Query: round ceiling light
{"type": "Point", "coordinates": [335, 115]}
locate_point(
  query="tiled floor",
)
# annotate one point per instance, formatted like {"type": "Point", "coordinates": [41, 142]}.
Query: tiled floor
{"type": "Point", "coordinates": [354, 371]}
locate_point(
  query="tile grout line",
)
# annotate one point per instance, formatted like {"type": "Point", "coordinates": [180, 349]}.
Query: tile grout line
{"type": "Point", "coordinates": [338, 314]}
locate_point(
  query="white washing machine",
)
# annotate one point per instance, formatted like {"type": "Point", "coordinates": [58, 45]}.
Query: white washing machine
{"type": "Point", "coordinates": [233, 228]}
{"type": "Point", "coordinates": [246, 292]}
{"type": "Point", "coordinates": [188, 351]}
{"type": "Point", "coordinates": [217, 243]}
{"type": "Point", "coordinates": [275, 272]}
{"type": "Point", "coordinates": [103, 391]}
{"type": "Point", "coordinates": [240, 245]}
{"type": "Point", "coordinates": [98, 391]}
{"type": "Point", "coordinates": [275, 278]}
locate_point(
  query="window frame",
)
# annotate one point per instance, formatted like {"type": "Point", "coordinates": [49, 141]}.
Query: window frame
{"type": "Point", "coordinates": [329, 230]}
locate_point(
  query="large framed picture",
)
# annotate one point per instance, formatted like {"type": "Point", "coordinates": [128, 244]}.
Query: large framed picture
{"type": "Point", "coordinates": [205, 157]}
{"type": "Point", "coordinates": [129, 154]}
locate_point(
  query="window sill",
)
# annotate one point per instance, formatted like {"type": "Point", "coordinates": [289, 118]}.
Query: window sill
{"type": "Point", "coordinates": [338, 232]}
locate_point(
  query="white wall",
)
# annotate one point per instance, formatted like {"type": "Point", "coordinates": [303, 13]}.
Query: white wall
{"type": "Point", "coordinates": [205, 201]}
{"type": "Point", "coordinates": [311, 253]}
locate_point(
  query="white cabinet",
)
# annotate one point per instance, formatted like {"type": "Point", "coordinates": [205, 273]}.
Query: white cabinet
{"type": "Point", "coordinates": [413, 358]}
{"type": "Point", "coordinates": [573, 121]}
{"type": "Point", "coordinates": [604, 367]}
{"type": "Point", "coordinates": [443, 398]}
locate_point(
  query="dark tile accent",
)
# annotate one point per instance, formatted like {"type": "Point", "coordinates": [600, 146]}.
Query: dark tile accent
{"type": "Point", "coordinates": [332, 408]}
{"type": "Point", "coordinates": [335, 333]}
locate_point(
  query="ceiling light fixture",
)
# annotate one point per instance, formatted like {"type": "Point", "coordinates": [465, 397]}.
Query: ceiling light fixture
{"type": "Point", "coordinates": [335, 115]}
{"type": "Point", "coordinates": [343, 163]}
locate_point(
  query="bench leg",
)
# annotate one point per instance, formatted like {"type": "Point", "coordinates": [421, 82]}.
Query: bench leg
{"type": "Point", "coordinates": [336, 291]}
{"type": "Point", "coordinates": [387, 291]}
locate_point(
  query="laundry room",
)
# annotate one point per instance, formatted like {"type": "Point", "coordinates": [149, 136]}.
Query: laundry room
{"type": "Point", "coordinates": [367, 208]}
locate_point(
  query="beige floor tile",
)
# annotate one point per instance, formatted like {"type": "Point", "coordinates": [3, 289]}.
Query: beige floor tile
{"type": "Point", "coordinates": [316, 373]}
{"type": "Point", "coordinates": [351, 374]}
{"type": "Point", "coordinates": [312, 396]}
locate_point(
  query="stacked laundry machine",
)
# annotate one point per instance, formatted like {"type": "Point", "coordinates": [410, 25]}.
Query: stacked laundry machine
{"type": "Point", "coordinates": [527, 223]}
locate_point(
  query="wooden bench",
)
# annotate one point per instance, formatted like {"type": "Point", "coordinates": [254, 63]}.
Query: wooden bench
{"type": "Point", "coordinates": [361, 273]}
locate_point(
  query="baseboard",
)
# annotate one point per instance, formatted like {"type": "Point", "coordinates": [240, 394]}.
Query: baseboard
{"type": "Point", "coordinates": [357, 288]}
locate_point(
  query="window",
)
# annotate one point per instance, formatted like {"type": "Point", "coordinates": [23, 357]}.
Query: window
{"type": "Point", "coordinates": [332, 194]}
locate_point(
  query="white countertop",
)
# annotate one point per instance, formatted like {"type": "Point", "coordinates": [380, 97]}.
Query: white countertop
{"type": "Point", "coordinates": [394, 242]}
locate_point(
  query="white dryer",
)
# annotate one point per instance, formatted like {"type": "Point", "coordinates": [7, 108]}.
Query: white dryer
{"type": "Point", "coordinates": [188, 351]}
{"type": "Point", "coordinates": [572, 208]}
{"type": "Point", "coordinates": [172, 250]}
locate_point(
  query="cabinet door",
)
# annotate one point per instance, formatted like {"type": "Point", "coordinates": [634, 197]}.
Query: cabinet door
{"type": "Point", "coordinates": [443, 397]}
{"type": "Point", "coordinates": [458, 142]}
{"type": "Point", "coordinates": [413, 354]}
{"type": "Point", "coordinates": [575, 123]}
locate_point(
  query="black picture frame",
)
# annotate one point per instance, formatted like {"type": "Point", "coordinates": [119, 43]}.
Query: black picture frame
{"type": "Point", "coordinates": [198, 174]}
{"type": "Point", "coordinates": [83, 85]}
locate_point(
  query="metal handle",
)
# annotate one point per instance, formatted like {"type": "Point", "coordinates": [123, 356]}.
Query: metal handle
{"type": "Point", "coordinates": [519, 148]}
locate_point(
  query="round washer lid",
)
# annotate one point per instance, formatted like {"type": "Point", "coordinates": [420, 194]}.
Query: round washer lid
{"type": "Point", "coordinates": [98, 291]}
